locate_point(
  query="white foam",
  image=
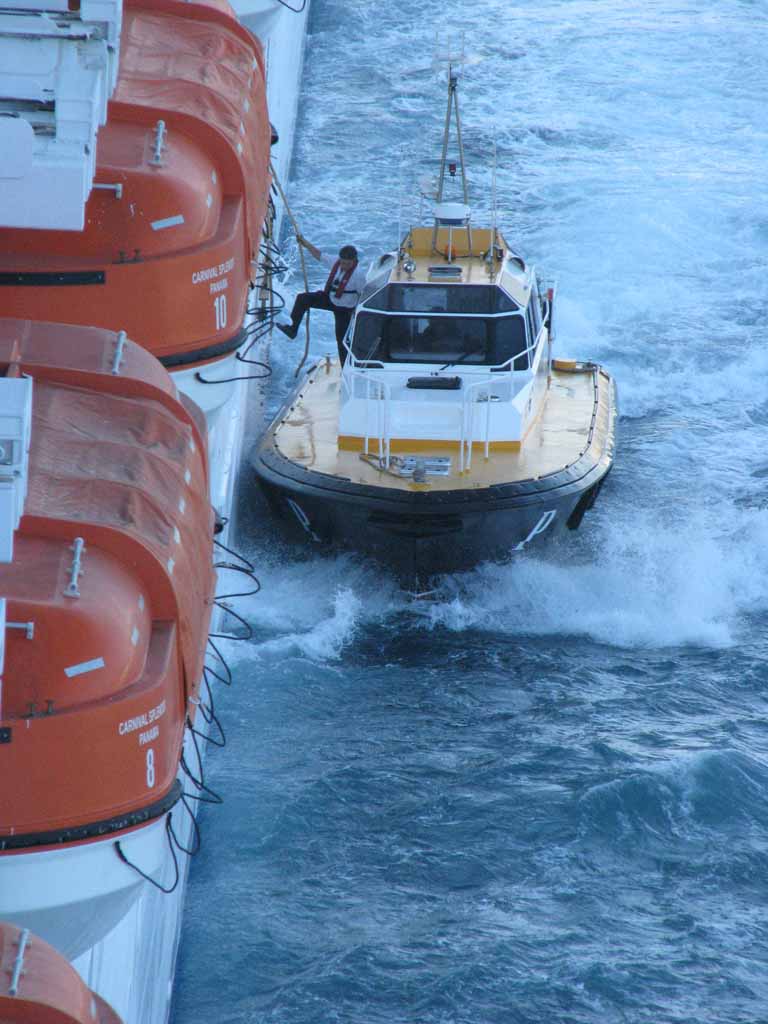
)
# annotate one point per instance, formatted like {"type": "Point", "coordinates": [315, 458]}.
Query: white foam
{"type": "Point", "coordinates": [646, 586]}
{"type": "Point", "coordinates": [314, 608]}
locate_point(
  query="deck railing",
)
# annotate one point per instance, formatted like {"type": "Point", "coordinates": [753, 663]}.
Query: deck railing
{"type": "Point", "coordinates": [376, 391]}
{"type": "Point", "coordinates": [377, 395]}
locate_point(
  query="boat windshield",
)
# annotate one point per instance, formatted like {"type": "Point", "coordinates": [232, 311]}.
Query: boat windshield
{"type": "Point", "coordinates": [471, 341]}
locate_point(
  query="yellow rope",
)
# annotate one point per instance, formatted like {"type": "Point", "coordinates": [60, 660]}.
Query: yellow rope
{"type": "Point", "coordinates": [296, 231]}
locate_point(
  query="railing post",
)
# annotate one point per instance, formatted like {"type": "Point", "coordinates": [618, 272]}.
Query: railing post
{"type": "Point", "coordinates": [487, 421]}
{"type": "Point", "coordinates": [471, 433]}
{"type": "Point", "coordinates": [367, 411]}
{"type": "Point", "coordinates": [387, 438]}
{"type": "Point", "coordinates": [462, 416]}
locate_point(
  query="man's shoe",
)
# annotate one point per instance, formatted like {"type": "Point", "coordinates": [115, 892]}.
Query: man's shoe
{"type": "Point", "coordinates": [288, 330]}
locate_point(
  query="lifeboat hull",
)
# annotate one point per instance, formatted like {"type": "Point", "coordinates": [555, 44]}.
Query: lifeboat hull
{"type": "Point", "coordinates": [72, 897]}
{"type": "Point", "coordinates": [109, 585]}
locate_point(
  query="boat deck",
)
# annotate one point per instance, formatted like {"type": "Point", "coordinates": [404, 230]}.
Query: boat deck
{"type": "Point", "coordinates": [577, 416]}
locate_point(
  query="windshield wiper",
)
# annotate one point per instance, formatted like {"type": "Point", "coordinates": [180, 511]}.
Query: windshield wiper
{"type": "Point", "coordinates": [470, 352]}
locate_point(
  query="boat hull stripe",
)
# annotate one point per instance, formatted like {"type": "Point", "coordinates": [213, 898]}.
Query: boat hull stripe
{"type": "Point", "coordinates": [203, 355]}
{"type": "Point", "coordinates": [45, 279]}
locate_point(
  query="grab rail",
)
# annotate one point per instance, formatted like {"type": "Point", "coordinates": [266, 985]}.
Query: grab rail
{"type": "Point", "coordinates": [467, 423]}
{"type": "Point", "coordinates": [379, 391]}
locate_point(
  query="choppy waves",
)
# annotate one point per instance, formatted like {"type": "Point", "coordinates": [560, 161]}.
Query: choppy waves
{"type": "Point", "coordinates": [540, 794]}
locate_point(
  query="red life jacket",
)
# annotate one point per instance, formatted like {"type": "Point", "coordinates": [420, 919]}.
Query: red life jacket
{"type": "Point", "coordinates": [342, 283]}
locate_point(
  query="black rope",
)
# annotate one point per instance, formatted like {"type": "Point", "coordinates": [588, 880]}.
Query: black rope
{"type": "Point", "coordinates": [226, 681]}
{"type": "Point", "coordinates": [235, 554]}
{"type": "Point", "coordinates": [296, 10]}
{"type": "Point", "coordinates": [199, 783]}
{"type": "Point", "coordinates": [233, 380]}
{"type": "Point", "coordinates": [247, 569]}
{"type": "Point", "coordinates": [232, 567]}
{"type": "Point", "coordinates": [208, 707]}
{"type": "Point", "coordinates": [212, 720]}
{"type": "Point", "coordinates": [212, 796]}
{"type": "Point", "coordinates": [169, 833]}
{"type": "Point", "coordinates": [235, 615]}
{"type": "Point", "coordinates": [198, 839]}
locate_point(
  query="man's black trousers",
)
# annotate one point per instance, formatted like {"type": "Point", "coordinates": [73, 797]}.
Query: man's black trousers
{"type": "Point", "coordinates": [321, 300]}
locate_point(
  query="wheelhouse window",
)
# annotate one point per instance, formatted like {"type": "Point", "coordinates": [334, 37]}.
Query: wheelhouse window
{"type": "Point", "coordinates": [535, 304]}
{"type": "Point", "coordinates": [472, 341]}
{"type": "Point", "coordinates": [422, 339]}
{"type": "Point", "coordinates": [529, 318]}
{"type": "Point", "coordinates": [511, 342]}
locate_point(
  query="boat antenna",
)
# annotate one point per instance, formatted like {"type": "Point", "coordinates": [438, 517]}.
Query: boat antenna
{"type": "Point", "coordinates": [399, 247]}
{"type": "Point", "coordinates": [494, 225]}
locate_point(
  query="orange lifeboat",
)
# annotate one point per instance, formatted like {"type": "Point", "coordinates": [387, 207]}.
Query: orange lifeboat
{"type": "Point", "coordinates": [38, 986]}
{"type": "Point", "coordinates": [181, 192]}
{"type": "Point", "coordinates": [108, 599]}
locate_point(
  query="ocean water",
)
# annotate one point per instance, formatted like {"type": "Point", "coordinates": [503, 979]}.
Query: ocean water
{"type": "Point", "coordinates": [543, 795]}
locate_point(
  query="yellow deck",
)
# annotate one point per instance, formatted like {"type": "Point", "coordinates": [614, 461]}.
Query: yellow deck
{"type": "Point", "coordinates": [308, 435]}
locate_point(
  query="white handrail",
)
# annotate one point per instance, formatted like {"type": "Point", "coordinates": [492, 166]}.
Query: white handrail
{"type": "Point", "coordinates": [378, 428]}
{"type": "Point", "coordinates": [467, 431]}
{"type": "Point", "coordinates": [383, 397]}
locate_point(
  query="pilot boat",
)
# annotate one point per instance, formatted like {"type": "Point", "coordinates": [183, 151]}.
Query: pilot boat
{"type": "Point", "coordinates": [450, 435]}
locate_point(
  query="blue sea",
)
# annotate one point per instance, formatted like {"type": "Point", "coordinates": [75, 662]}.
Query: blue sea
{"type": "Point", "coordinates": [542, 796]}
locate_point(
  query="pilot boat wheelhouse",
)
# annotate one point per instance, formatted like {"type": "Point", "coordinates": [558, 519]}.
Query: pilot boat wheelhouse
{"type": "Point", "coordinates": [450, 435]}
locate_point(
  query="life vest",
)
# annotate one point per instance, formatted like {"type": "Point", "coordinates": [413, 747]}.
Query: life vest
{"type": "Point", "coordinates": [342, 283]}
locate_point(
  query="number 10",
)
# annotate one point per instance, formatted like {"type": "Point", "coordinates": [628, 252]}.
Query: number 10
{"type": "Point", "coordinates": [220, 309]}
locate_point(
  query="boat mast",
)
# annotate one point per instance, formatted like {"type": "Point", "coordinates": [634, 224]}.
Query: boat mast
{"type": "Point", "coordinates": [452, 109]}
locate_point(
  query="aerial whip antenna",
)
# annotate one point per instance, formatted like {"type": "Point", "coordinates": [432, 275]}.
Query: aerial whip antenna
{"type": "Point", "coordinates": [491, 258]}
